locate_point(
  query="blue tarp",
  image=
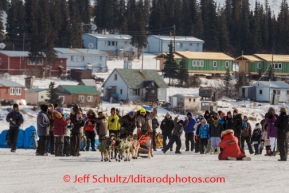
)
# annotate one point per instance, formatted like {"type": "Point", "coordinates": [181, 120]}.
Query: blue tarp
{"type": "Point", "coordinates": [96, 144]}
{"type": "Point", "coordinates": [4, 141]}
{"type": "Point", "coordinates": [28, 137]}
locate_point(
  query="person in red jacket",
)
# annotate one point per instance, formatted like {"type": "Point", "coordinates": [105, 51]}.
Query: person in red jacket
{"type": "Point", "coordinates": [59, 131]}
{"type": "Point", "coordinates": [89, 129]}
{"type": "Point", "coordinates": [230, 149]}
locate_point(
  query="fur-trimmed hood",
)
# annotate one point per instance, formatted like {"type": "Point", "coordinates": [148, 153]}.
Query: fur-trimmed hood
{"type": "Point", "coordinates": [227, 132]}
{"type": "Point", "coordinates": [93, 112]}
{"type": "Point", "coordinates": [57, 114]}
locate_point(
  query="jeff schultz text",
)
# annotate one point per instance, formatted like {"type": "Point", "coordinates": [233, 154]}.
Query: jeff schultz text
{"type": "Point", "coordinates": [87, 178]}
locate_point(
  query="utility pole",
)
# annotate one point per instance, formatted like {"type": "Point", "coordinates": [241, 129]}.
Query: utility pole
{"type": "Point", "coordinates": [142, 59]}
{"type": "Point", "coordinates": [174, 38]}
{"type": "Point", "coordinates": [81, 28]}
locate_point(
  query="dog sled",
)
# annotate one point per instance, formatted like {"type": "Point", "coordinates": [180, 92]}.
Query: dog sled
{"type": "Point", "coordinates": [145, 145]}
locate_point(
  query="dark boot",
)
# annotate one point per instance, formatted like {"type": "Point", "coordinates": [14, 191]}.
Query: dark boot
{"type": "Point", "coordinates": [256, 147]}
{"type": "Point", "coordinates": [268, 153]}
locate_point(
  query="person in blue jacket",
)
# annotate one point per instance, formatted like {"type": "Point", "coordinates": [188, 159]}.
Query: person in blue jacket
{"type": "Point", "coordinates": [15, 119]}
{"type": "Point", "coordinates": [203, 135]}
{"type": "Point", "coordinates": [189, 131]}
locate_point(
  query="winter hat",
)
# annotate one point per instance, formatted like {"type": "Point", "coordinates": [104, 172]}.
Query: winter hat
{"type": "Point", "coordinates": [142, 110]}
{"type": "Point", "coordinates": [181, 121]}
{"type": "Point", "coordinates": [235, 111]}
{"type": "Point", "coordinates": [55, 105]}
{"type": "Point", "coordinates": [283, 110]}
{"type": "Point", "coordinates": [229, 113]}
{"type": "Point", "coordinates": [15, 106]}
{"type": "Point", "coordinates": [60, 110]}
{"type": "Point", "coordinates": [189, 114]}
{"type": "Point", "coordinates": [168, 114]}
{"type": "Point", "coordinates": [131, 113]}
{"type": "Point", "coordinates": [44, 107]}
{"type": "Point", "coordinates": [203, 121]}
{"type": "Point", "coordinates": [258, 126]}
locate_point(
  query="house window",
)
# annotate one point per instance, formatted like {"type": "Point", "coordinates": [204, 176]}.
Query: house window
{"type": "Point", "coordinates": [89, 99]}
{"type": "Point", "coordinates": [112, 43]}
{"type": "Point", "coordinates": [115, 43]}
{"type": "Point", "coordinates": [280, 65]}
{"type": "Point", "coordinates": [191, 44]}
{"type": "Point", "coordinates": [194, 100]}
{"type": "Point", "coordinates": [287, 92]}
{"type": "Point", "coordinates": [194, 63]}
{"type": "Point", "coordinates": [108, 43]}
{"type": "Point", "coordinates": [34, 63]}
{"type": "Point", "coordinates": [71, 58]}
{"type": "Point", "coordinates": [259, 65]}
{"type": "Point", "coordinates": [12, 91]}
{"type": "Point", "coordinates": [215, 64]}
{"type": "Point", "coordinates": [18, 91]}
{"type": "Point", "coordinates": [198, 63]}
{"type": "Point", "coordinates": [276, 66]}
{"type": "Point", "coordinates": [125, 42]}
{"type": "Point", "coordinates": [134, 92]}
{"type": "Point", "coordinates": [41, 97]}
{"type": "Point", "coordinates": [179, 45]}
{"type": "Point", "coordinates": [227, 64]}
{"type": "Point", "coordinates": [81, 98]}
{"type": "Point", "coordinates": [62, 99]}
{"type": "Point", "coordinates": [115, 77]}
{"type": "Point", "coordinates": [202, 63]}
{"type": "Point", "coordinates": [120, 91]}
{"type": "Point", "coordinates": [190, 99]}
{"type": "Point", "coordinates": [260, 92]}
{"type": "Point", "coordinates": [0, 61]}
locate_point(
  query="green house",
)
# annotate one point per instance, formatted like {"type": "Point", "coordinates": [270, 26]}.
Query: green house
{"type": "Point", "coordinates": [261, 62]}
{"type": "Point", "coordinates": [206, 62]}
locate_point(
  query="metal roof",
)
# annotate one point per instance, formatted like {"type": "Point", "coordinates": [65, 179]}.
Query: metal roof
{"type": "Point", "coordinates": [87, 82]}
{"type": "Point", "coordinates": [162, 55]}
{"type": "Point", "coordinates": [35, 90]}
{"type": "Point", "coordinates": [80, 89]}
{"type": "Point", "coordinates": [276, 58]}
{"type": "Point", "coordinates": [135, 78]}
{"type": "Point", "coordinates": [79, 51]}
{"type": "Point", "coordinates": [178, 38]}
{"type": "Point", "coordinates": [14, 53]}
{"type": "Point", "coordinates": [249, 57]}
{"type": "Point", "coordinates": [9, 83]}
{"type": "Point", "coordinates": [110, 36]}
{"type": "Point", "coordinates": [205, 55]}
{"type": "Point", "coordinates": [272, 84]}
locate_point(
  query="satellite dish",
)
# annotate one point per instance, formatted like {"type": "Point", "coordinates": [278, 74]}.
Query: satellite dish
{"type": "Point", "coordinates": [90, 45]}
{"type": "Point", "coordinates": [93, 27]}
{"type": "Point", "coordinates": [2, 46]}
{"type": "Point", "coordinates": [6, 76]}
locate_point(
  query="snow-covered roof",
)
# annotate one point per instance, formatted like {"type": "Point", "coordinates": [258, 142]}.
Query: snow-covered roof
{"type": "Point", "coordinates": [178, 38]}
{"type": "Point", "coordinates": [110, 36]}
{"type": "Point", "coordinates": [9, 83]}
{"type": "Point", "coordinates": [79, 51]}
{"type": "Point", "coordinates": [272, 84]}
{"type": "Point", "coordinates": [249, 57]}
{"type": "Point", "coordinates": [274, 57]}
{"type": "Point", "coordinates": [205, 55]}
{"type": "Point", "coordinates": [14, 53]}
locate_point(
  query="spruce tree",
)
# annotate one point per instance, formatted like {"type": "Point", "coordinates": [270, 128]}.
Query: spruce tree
{"type": "Point", "coordinates": [75, 26]}
{"type": "Point", "coordinates": [83, 10]}
{"type": "Point", "coordinates": [1, 24]}
{"type": "Point", "coordinates": [183, 74]}
{"type": "Point", "coordinates": [170, 66]}
{"type": "Point", "coordinates": [52, 95]}
{"type": "Point", "coordinates": [187, 23]}
{"type": "Point", "coordinates": [223, 31]}
{"type": "Point", "coordinates": [195, 82]}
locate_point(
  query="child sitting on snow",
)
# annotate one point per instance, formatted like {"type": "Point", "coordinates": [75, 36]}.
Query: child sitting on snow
{"type": "Point", "coordinates": [256, 138]}
{"type": "Point", "coordinates": [230, 149]}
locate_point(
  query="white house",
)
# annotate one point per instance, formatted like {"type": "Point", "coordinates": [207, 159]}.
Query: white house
{"type": "Point", "coordinates": [118, 44]}
{"type": "Point", "coordinates": [84, 58]}
{"type": "Point", "coordinates": [36, 95]}
{"type": "Point", "coordinates": [265, 91]}
{"type": "Point", "coordinates": [133, 84]}
{"type": "Point", "coordinates": [159, 44]}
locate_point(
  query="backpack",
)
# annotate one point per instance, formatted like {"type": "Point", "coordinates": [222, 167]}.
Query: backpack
{"type": "Point", "coordinates": [257, 133]}
{"type": "Point", "coordinates": [244, 124]}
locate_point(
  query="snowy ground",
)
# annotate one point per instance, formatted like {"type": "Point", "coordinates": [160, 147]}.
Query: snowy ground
{"type": "Point", "coordinates": [24, 172]}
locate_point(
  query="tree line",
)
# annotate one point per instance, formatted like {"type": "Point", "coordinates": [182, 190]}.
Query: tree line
{"type": "Point", "coordinates": [233, 28]}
